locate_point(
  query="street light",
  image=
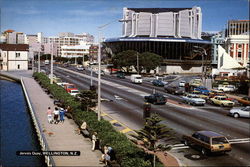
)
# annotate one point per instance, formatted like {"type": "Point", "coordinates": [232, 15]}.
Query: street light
{"type": "Point", "coordinates": [39, 61]}
{"type": "Point", "coordinates": [203, 52]}
{"type": "Point", "coordinates": [51, 63]}
{"type": "Point", "coordinates": [99, 69]}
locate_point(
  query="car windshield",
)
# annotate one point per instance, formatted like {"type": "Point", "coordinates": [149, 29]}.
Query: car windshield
{"type": "Point", "coordinates": [71, 86]}
{"type": "Point", "coordinates": [219, 140]}
{"type": "Point", "coordinates": [74, 91]}
{"type": "Point", "coordinates": [223, 98]}
{"type": "Point", "coordinates": [137, 77]}
{"type": "Point", "coordinates": [246, 109]}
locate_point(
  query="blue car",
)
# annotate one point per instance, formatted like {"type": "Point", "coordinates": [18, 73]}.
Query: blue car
{"type": "Point", "coordinates": [202, 89]}
{"type": "Point", "coordinates": [157, 83]}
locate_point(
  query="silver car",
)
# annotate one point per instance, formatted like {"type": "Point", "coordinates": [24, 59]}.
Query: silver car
{"type": "Point", "coordinates": [240, 112]}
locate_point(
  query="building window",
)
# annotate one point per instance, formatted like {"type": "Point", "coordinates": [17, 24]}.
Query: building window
{"type": "Point", "coordinates": [18, 66]}
{"type": "Point", "coordinates": [17, 54]}
{"type": "Point", "coordinates": [239, 55]}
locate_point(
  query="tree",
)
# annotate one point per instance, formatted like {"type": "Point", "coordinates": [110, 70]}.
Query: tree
{"type": "Point", "coordinates": [149, 61]}
{"type": "Point", "coordinates": [151, 134]}
{"type": "Point", "coordinates": [125, 59]}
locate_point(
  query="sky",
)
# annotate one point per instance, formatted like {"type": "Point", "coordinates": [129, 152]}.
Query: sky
{"type": "Point", "coordinates": [78, 16]}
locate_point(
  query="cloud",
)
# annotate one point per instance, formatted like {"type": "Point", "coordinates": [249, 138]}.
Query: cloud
{"type": "Point", "coordinates": [99, 12]}
{"type": "Point", "coordinates": [22, 11]}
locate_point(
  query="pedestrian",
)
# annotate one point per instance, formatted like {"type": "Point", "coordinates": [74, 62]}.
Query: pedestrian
{"type": "Point", "coordinates": [105, 158]}
{"type": "Point", "coordinates": [61, 113]}
{"type": "Point", "coordinates": [94, 139]}
{"type": "Point", "coordinates": [49, 115]}
{"type": "Point", "coordinates": [56, 115]}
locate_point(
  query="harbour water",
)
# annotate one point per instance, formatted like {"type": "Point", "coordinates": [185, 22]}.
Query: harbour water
{"type": "Point", "coordinates": [16, 128]}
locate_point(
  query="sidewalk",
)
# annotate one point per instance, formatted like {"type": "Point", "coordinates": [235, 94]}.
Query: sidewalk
{"type": "Point", "coordinates": [62, 136]}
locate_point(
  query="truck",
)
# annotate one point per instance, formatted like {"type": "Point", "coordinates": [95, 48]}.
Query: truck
{"type": "Point", "coordinates": [69, 87]}
{"type": "Point", "coordinates": [136, 78]}
{"type": "Point", "coordinates": [46, 62]}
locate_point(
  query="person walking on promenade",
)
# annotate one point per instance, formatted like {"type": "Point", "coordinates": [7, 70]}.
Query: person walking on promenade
{"type": "Point", "coordinates": [56, 115]}
{"type": "Point", "coordinates": [94, 139]}
{"type": "Point", "coordinates": [49, 115]}
{"type": "Point", "coordinates": [61, 113]}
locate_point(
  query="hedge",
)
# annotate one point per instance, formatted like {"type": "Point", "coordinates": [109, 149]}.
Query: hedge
{"type": "Point", "coordinates": [127, 153]}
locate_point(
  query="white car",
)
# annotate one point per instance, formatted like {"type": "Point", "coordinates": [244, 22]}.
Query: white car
{"type": "Point", "coordinates": [227, 88]}
{"type": "Point", "coordinates": [74, 92]}
{"type": "Point", "coordinates": [62, 84]}
{"type": "Point", "coordinates": [79, 68]}
{"type": "Point", "coordinates": [193, 99]}
{"type": "Point", "coordinates": [240, 112]}
{"type": "Point", "coordinates": [182, 83]}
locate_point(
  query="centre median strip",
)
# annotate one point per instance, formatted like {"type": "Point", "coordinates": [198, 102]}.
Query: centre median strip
{"type": "Point", "coordinates": [114, 121]}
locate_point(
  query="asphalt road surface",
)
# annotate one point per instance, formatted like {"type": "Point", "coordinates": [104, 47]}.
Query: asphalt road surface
{"type": "Point", "coordinates": [125, 101]}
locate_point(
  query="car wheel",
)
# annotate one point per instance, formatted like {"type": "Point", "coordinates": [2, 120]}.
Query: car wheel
{"type": "Point", "coordinates": [222, 105]}
{"type": "Point", "coordinates": [204, 151]}
{"type": "Point", "coordinates": [236, 115]}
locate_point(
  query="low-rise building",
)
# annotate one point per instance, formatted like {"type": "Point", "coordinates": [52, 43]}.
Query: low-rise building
{"type": "Point", "coordinates": [14, 57]}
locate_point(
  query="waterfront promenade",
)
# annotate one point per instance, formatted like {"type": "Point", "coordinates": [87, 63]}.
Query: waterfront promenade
{"type": "Point", "coordinates": [62, 136]}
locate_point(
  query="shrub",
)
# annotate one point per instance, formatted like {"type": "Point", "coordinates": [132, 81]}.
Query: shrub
{"type": "Point", "coordinates": [127, 153]}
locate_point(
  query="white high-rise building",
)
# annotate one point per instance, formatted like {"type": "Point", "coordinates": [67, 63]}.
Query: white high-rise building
{"type": "Point", "coordinates": [162, 22]}
{"type": "Point", "coordinates": [69, 39]}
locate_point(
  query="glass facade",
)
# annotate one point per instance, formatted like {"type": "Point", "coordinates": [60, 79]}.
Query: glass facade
{"type": "Point", "coordinates": [172, 52]}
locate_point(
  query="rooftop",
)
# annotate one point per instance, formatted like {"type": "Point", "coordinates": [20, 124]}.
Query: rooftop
{"type": "Point", "coordinates": [14, 47]}
{"type": "Point", "coordinates": [158, 10]}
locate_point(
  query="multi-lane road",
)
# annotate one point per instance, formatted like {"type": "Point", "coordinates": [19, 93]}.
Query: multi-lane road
{"type": "Point", "coordinates": [125, 101]}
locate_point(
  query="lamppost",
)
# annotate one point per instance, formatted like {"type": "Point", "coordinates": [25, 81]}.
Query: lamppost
{"type": "Point", "coordinates": [99, 69]}
{"type": "Point", "coordinates": [39, 54]}
{"type": "Point", "coordinates": [203, 52]}
{"type": "Point", "coordinates": [51, 67]}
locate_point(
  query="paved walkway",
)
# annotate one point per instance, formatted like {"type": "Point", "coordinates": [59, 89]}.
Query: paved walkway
{"type": "Point", "coordinates": [62, 136]}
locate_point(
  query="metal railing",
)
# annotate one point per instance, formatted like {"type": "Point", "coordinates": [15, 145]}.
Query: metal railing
{"type": "Point", "coordinates": [44, 145]}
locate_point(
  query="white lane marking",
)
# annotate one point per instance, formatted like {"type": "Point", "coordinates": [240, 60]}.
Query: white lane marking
{"type": "Point", "coordinates": [238, 141]}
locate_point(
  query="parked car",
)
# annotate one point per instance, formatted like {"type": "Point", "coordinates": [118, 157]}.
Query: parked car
{"type": "Point", "coordinates": [74, 92]}
{"type": "Point", "coordinates": [240, 112]}
{"type": "Point", "coordinates": [182, 83]}
{"type": "Point", "coordinates": [196, 92]}
{"type": "Point", "coordinates": [245, 101]}
{"type": "Point", "coordinates": [215, 92]}
{"type": "Point", "coordinates": [157, 82]}
{"type": "Point", "coordinates": [193, 99]}
{"type": "Point", "coordinates": [156, 98]}
{"type": "Point", "coordinates": [222, 101]}
{"type": "Point", "coordinates": [227, 88]}
{"type": "Point", "coordinates": [208, 142]}
{"type": "Point", "coordinates": [79, 67]}
{"type": "Point", "coordinates": [202, 89]}
{"type": "Point", "coordinates": [195, 82]}
{"type": "Point", "coordinates": [174, 89]}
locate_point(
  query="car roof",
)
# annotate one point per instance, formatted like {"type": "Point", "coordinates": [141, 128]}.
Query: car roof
{"type": "Point", "coordinates": [210, 133]}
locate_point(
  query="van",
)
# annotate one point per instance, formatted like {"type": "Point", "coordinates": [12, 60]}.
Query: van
{"type": "Point", "coordinates": [208, 142]}
{"type": "Point", "coordinates": [46, 62]}
{"type": "Point", "coordinates": [136, 78]}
